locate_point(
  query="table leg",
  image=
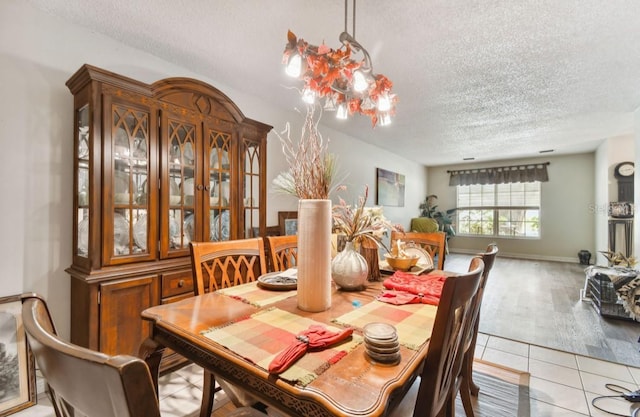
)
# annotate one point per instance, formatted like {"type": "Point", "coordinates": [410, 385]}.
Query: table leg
{"type": "Point", "coordinates": [208, 391]}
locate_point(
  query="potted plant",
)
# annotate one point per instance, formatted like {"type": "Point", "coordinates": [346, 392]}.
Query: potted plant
{"type": "Point", "coordinates": [429, 208]}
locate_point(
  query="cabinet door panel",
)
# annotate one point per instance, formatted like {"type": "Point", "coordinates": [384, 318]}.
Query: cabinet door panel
{"type": "Point", "coordinates": [253, 194]}
{"type": "Point", "coordinates": [129, 190]}
{"type": "Point", "coordinates": [180, 186]}
{"type": "Point", "coordinates": [121, 303]}
{"type": "Point", "coordinates": [219, 197]}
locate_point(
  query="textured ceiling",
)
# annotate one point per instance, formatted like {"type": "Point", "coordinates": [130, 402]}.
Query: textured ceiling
{"type": "Point", "coordinates": [486, 79]}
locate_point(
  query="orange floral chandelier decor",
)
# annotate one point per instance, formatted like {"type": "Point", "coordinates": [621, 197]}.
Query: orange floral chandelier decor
{"type": "Point", "coordinates": [346, 85]}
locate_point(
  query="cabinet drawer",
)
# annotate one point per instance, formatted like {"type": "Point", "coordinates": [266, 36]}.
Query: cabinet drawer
{"type": "Point", "coordinates": [177, 283]}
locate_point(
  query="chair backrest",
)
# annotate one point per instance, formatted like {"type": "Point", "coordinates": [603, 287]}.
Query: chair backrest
{"type": "Point", "coordinates": [434, 243]}
{"type": "Point", "coordinates": [488, 258]}
{"type": "Point", "coordinates": [451, 330]}
{"type": "Point", "coordinates": [283, 251]}
{"type": "Point", "coordinates": [227, 263]}
{"type": "Point", "coordinates": [83, 381]}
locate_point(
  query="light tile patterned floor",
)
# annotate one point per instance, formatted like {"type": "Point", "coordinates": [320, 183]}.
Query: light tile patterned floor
{"type": "Point", "coordinates": [562, 384]}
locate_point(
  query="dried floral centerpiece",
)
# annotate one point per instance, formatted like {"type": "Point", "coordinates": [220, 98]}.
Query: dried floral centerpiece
{"type": "Point", "coordinates": [365, 226]}
{"type": "Point", "coordinates": [312, 172]}
{"type": "Point", "coordinates": [311, 177]}
{"type": "Point", "coordinates": [360, 224]}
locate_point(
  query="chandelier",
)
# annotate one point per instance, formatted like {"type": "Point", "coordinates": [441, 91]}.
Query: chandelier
{"type": "Point", "coordinates": [346, 85]}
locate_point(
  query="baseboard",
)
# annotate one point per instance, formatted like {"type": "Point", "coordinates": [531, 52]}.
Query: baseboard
{"type": "Point", "coordinates": [527, 256]}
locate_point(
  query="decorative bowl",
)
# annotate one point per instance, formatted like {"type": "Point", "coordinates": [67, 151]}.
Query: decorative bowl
{"type": "Point", "coordinates": [401, 264]}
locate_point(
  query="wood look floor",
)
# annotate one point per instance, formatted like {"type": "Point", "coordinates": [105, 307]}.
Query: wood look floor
{"type": "Point", "coordinates": [538, 302]}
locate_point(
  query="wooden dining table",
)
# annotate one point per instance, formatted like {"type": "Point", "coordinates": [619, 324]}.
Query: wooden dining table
{"type": "Point", "coordinates": [200, 328]}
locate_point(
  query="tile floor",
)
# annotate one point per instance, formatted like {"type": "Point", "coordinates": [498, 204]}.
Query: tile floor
{"type": "Point", "coordinates": [561, 385]}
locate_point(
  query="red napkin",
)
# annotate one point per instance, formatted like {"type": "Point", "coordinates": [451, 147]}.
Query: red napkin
{"type": "Point", "coordinates": [403, 297]}
{"type": "Point", "coordinates": [429, 285]}
{"type": "Point", "coordinates": [315, 337]}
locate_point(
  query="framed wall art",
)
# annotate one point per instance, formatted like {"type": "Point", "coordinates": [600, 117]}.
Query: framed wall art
{"type": "Point", "coordinates": [390, 188]}
{"type": "Point", "coordinates": [17, 365]}
{"type": "Point", "coordinates": [288, 222]}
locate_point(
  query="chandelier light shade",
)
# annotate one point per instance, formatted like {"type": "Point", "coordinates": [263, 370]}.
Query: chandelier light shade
{"type": "Point", "coordinates": [346, 85]}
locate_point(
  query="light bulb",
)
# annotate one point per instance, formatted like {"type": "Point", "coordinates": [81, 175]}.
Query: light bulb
{"type": "Point", "coordinates": [359, 82]}
{"type": "Point", "coordinates": [294, 66]}
{"type": "Point", "coordinates": [308, 96]}
{"type": "Point", "coordinates": [384, 104]}
{"type": "Point", "coordinates": [342, 112]}
{"type": "Point", "coordinates": [384, 119]}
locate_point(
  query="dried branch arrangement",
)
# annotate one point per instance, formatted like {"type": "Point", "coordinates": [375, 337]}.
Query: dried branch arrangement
{"type": "Point", "coordinates": [359, 223]}
{"type": "Point", "coordinates": [312, 170]}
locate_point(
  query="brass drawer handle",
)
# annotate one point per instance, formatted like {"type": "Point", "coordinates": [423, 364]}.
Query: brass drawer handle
{"type": "Point", "coordinates": [181, 283]}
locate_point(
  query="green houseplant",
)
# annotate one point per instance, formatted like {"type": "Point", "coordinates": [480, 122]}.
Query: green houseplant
{"type": "Point", "coordinates": [429, 208]}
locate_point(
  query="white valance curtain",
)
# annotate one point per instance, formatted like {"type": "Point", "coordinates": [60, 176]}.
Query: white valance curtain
{"type": "Point", "coordinates": [500, 175]}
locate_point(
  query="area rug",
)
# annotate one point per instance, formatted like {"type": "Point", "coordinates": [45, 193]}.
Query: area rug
{"type": "Point", "coordinates": [504, 392]}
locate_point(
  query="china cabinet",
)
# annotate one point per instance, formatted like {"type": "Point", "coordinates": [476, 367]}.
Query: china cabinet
{"type": "Point", "coordinates": [155, 167]}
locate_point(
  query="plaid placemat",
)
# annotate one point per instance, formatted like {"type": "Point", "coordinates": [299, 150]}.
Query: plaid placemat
{"type": "Point", "coordinates": [252, 294]}
{"type": "Point", "coordinates": [263, 335]}
{"type": "Point", "coordinates": [413, 322]}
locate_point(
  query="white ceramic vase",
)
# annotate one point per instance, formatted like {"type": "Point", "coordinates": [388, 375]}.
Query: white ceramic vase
{"type": "Point", "coordinates": [314, 255]}
{"type": "Point", "coordinates": [349, 269]}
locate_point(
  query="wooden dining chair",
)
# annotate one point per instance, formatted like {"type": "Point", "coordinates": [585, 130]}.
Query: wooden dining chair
{"type": "Point", "coordinates": [283, 251]}
{"type": "Point", "coordinates": [434, 392]}
{"type": "Point", "coordinates": [219, 265]}
{"type": "Point", "coordinates": [84, 381]}
{"type": "Point", "coordinates": [226, 263]}
{"type": "Point", "coordinates": [467, 386]}
{"type": "Point", "coordinates": [434, 243]}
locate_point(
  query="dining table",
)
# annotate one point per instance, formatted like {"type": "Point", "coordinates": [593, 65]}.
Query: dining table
{"type": "Point", "coordinates": [236, 332]}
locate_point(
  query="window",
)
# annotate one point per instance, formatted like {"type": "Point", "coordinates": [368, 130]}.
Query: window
{"type": "Point", "coordinates": [499, 210]}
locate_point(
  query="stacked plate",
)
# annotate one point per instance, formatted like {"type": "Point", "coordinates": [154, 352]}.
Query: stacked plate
{"type": "Point", "coordinates": [381, 343]}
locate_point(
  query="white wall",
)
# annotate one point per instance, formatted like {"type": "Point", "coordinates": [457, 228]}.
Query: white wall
{"type": "Point", "coordinates": [566, 213]}
{"type": "Point", "coordinates": [38, 54]}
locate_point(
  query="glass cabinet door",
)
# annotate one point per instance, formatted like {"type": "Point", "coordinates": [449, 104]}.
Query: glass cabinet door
{"type": "Point", "coordinates": [251, 187]}
{"type": "Point", "coordinates": [219, 196]}
{"type": "Point", "coordinates": [179, 195]}
{"type": "Point", "coordinates": [130, 220]}
{"type": "Point", "coordinates": [83, 188]}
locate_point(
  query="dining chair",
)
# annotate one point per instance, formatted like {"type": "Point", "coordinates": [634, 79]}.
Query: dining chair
{"type": "Point", "coordinates": [468, 387]}
{"type": "Point", "coordinates": [224, 264]}
{"type": "Point", "coordinates": [88, 382]}
{"type": "Point", "coordinates": [227, 263]}
{"type": "Point", "coordinates": [434, 392]}
{"type": "Point", "coordinates": [283, 251]}
{"type": "Point", "coordinates": [85, 381]}
{"type": "Point", "coordinates": [434, 243]}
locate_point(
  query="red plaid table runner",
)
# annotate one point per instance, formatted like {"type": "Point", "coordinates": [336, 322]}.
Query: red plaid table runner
{"type": "Point", "coordinates": [263, 335]}
{"type": "Point", "coordinates": [252, 294]}
{"type": "Point", "coordinates": [413, 322]}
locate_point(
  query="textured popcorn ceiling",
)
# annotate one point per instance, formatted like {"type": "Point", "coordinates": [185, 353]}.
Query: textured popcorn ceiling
{"type": "Point", "coordinates": [485, 79]}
